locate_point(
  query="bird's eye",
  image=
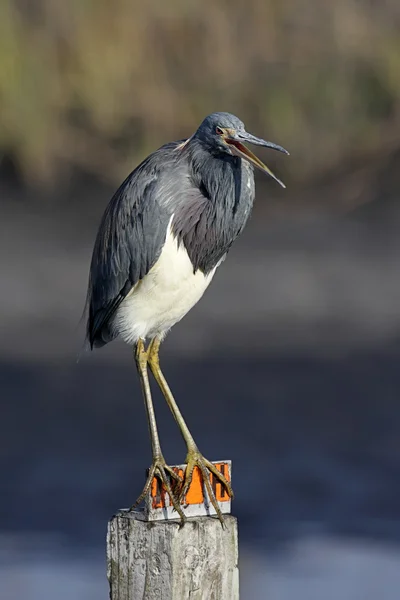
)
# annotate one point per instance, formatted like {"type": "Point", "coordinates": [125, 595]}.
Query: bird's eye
{"type": "Point", "coordinates": [219, 130]}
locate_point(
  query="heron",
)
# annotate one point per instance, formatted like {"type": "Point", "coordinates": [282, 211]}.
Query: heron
{"type": "Point", "coordinates": [162, 237]}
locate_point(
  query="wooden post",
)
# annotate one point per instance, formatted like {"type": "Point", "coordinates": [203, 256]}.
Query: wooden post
{"type": "Point", "coordinates": [153, 559]}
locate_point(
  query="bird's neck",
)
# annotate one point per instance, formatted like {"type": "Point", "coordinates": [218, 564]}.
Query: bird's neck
{"type": "Point", "coordinates": [225, 186]}
{"type": "Point", "coordinates": [222, 178]}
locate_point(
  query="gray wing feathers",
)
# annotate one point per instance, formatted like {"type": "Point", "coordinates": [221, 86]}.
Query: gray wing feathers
{"type": "Point", "coordinates": [129, 242]}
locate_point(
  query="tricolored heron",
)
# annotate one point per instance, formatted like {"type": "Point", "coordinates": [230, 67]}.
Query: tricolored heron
{"type": "Point", "coordinates": [162, 237]}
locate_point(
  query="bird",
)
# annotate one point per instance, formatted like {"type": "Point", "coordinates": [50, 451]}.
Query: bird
{"type": "Point", "coordinates": [162, 237]}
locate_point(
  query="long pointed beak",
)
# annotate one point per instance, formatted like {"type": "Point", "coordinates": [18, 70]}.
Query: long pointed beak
{"type": "Point", "coordinates": [237, 148]}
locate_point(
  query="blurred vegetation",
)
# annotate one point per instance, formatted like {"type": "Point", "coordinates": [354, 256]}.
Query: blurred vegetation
{"type": "Point", "coordinates": [99, 83]}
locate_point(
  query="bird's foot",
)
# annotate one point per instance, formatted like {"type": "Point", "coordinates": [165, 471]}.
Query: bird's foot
{"type": "Point", "coordinates": [194, 459]}
{"type": "Point", "coordinates": [167, 476]}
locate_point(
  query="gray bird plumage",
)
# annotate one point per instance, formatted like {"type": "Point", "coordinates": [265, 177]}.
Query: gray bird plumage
{"type": "Point", "coordinates": [162, 236]}
{"type": "Point", "coordinates": [209, 192]}
{"type": "Point", "coordinates": [129, 241]}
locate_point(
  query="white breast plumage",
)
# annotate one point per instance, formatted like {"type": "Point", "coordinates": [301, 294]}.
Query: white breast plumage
{"type": "Point", "coordinates": [163, 297]}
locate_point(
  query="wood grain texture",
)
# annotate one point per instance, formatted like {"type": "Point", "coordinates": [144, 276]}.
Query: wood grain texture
{"type": "Point", "coordinates": [160, 561]}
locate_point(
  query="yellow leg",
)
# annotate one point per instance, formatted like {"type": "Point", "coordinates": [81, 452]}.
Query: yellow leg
{"type": "Point", "coordinates": [194, 457]}
{"type": "Point", "coordinates": [159, 467]}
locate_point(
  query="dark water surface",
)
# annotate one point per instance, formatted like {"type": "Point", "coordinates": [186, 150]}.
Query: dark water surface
{"type": "Point", "coordinates": [289, 366]}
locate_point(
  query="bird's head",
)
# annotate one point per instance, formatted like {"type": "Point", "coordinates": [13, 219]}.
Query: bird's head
{"type": "Point", "coordinates": [223, 132]}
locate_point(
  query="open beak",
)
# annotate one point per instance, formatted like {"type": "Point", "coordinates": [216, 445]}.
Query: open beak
{"type": "Point", "coordinates": [235, 139]}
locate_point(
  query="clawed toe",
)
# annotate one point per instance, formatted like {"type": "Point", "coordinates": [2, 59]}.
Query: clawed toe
{"type": "Point", "coordinates": [166, 475]}
{"type": "Point", "coordinates": [196, 459]}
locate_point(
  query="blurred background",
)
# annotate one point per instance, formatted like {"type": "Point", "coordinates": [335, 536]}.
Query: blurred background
{"type": "Point", "coordinates": [295, 347]}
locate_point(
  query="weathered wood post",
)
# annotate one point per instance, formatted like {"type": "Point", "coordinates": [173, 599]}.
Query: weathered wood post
{"type": "Point", "coordinates": [150, 557]}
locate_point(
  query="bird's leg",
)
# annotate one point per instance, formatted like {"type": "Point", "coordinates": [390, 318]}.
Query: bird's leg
{"type": "Point", "coordinates": [194, 457]}
{"type": "Point", "coordinates": [159, 467]}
